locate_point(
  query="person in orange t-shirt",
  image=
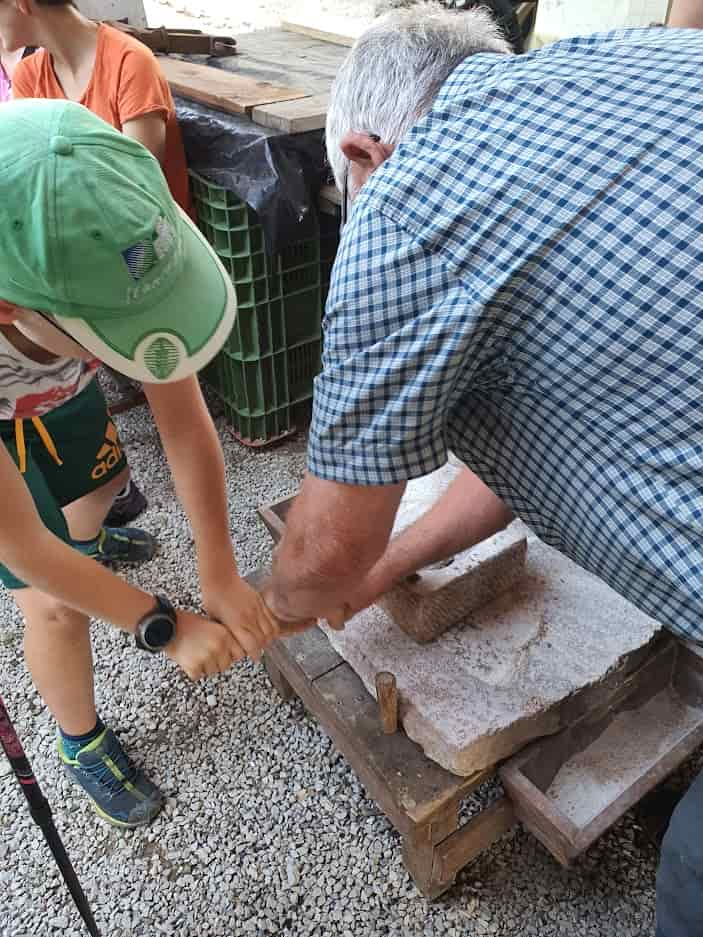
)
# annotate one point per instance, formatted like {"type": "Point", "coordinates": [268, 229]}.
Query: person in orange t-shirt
{"type": "Point", "coordinates": [110, 73]}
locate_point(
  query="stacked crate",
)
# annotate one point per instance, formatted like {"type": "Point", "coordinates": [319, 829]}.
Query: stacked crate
{"type": "Point", "coordinates": [264, 374]}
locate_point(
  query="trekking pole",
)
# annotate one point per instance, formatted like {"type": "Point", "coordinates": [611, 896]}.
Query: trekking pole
{"type": "Point", "coordinates": [41, 814]}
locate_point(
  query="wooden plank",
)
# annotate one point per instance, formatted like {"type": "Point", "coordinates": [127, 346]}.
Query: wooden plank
{"type": "Point", "coordinates": [274, 516]}
{"type": "Point", "coordinates": [340, 30]}
{"type": "Point", "coordinates": [285, 58]}
{"type": "Point", "coordinates": [310, 652]}
{"type": "Point", "coordinates": [419, 849]}
{"type": "Point", "coordinates": [234, 94]}
{"type": "Point", "coordinates": [297, 116]}
{"type": "Point", "coordinates": [528, 775]}
{"type": "Point", "coordinates": [466, 843]}
{"type": "Point", "coordinates": [409, 787]}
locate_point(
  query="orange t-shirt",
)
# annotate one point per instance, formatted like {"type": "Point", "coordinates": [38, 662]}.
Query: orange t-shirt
{"type": "Point", "coordinates": [126, 83]}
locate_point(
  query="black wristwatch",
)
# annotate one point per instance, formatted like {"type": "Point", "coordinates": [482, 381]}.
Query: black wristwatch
{"type": "Point", "coordinates": [157, 627]}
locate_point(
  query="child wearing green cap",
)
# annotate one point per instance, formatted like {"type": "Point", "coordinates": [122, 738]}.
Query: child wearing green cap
{"type": "Point", "coordinates": [97, 261]}
{"type": "Point", "coordinates": [117, 78]}
{"type": "Point", "coordinates": [129, 502]}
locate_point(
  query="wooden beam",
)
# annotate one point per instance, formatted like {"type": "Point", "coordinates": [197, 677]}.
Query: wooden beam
{"type": "Point", "coordinates": [340, 30]}
{"type": "Point", "coordinates": [224, 90]}
{"type": "Point", "coordinates": [297, 116]}
{"type": "Point", "coordinates": [411, 789]}
{"type": "Point", "coordinates": [466, 843]}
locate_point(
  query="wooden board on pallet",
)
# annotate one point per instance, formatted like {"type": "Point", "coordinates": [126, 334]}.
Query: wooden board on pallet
{"type": "Point", "coordinates": [232, 93]}
{"type": "Point", "coordinates": [297, 116]}
{"type": "Point", "coordinates": [286, 59]}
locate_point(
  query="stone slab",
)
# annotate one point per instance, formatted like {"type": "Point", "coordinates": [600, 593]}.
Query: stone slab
{"type": "Point", "coordinates": [479, 693]}
{"type": "Point", "coordinates": [428, 604]}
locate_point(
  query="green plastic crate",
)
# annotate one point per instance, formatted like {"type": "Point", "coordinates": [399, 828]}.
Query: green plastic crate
{"type": "Point", "coordinates": [272, 355]}
{"type": "Point", "coordinates": [262, 429]}
{"type": "Point", "coordinates": [270, 382]}
{"type": "Point", "coordinates": [266, 400]}
{"type": "Point", "coordinates": [293, 275]}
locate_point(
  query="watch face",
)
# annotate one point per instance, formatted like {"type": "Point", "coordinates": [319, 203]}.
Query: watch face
{"type": "Point", "coordinates": [158, 632]}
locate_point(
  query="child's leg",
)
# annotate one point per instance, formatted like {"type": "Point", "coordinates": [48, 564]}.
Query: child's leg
{"type": "Point", "coordinates": [92, 472]}
{"type": "Point", "coordinates": [59, 658]}
{"type": "Point", "coordinates": [85, 516]}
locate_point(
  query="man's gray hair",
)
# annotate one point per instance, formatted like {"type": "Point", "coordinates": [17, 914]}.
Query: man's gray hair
{"type": "Point", "coordinates": [395, 69]}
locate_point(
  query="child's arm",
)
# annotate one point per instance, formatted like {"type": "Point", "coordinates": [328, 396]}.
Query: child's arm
{"type": "Point", "coordinates": [41, 559]}
{"type": "Point", "coordinates": [196, 461]}
{"type": "Point", "coordinates": [34, 554]}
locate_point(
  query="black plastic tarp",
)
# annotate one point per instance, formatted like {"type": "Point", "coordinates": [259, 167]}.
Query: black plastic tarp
{"type": "Point", "coordinates": [277, 174]}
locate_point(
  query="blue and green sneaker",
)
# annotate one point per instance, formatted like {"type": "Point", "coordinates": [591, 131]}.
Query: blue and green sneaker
{"type": "Point", "coordinates": [120, 545]}
{"type": "Point", "coordinates": [120, 792]}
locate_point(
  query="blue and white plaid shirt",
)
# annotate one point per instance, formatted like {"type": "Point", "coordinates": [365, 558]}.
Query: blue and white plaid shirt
{"type": "Point", "coordinates": [522, 282]}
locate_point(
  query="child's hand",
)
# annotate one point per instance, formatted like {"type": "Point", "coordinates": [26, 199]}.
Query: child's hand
{"type": "Point", "coordinates": [202, 647]}
{"type": "Point", "coordinates": [244, 613]}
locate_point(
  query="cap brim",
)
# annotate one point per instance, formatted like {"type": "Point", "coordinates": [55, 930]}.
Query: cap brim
{"type": "Point", "coordinates": [176, 337]}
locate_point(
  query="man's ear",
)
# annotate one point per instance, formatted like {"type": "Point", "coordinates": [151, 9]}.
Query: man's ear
{"type": "Point", "coordinates": [364, 150]}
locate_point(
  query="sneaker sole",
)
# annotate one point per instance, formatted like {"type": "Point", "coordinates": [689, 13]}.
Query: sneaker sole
{"type": "Point", "coordinates": [120, 824]}
{"type": "Point", "coordinates": [111, 561]}
{"type": "Point", "coordinates": [113, 821]}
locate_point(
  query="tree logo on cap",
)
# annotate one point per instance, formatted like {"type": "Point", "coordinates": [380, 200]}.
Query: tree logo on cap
{"type": "Point", "coordinates": [161, 358]}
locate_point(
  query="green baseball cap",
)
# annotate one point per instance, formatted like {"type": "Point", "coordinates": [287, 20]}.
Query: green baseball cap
{"type": "Point", "coordinates": [90, 235]}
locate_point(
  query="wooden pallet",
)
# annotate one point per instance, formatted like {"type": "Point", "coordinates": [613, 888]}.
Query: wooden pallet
{"type": "Point", "coordinates": [422, 800]}
{"type": "Point", "coordinates": [419, 798]}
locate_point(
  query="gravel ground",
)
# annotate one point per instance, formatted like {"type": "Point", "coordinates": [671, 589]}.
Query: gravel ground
{"type": "Point", "coordinates": [267, 830]}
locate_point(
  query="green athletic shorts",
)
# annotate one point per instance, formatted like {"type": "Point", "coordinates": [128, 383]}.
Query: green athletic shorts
{"type": "Point", "coordinates": [84, 439]}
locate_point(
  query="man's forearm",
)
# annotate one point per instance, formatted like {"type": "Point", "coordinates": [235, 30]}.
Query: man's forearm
{"type": "Point", "coordinates": [335, 533]}
{"type": "Point", "coordinates": [467, 513]}
{"type": "Point", "coordinates": [686, 14]}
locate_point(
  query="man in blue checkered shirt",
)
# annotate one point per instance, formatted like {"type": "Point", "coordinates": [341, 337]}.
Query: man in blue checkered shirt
{"type": "Point", "coordinates": [520, 281]}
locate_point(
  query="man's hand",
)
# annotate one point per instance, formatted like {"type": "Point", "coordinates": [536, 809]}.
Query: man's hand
{"type": "Point", "coordinates": [202, 647]}
{"type": "Point", "coordinates": [290, 626]}
{"type": "Point", "coordinates": [243, 612]}
{"type": "Point", "coordinates": [334, 535]}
